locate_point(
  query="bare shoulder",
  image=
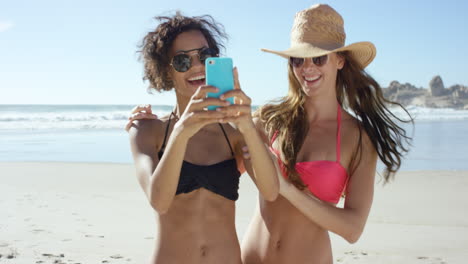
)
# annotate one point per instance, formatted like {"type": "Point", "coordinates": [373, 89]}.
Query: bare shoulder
{"type": "Point", "coordinates": [361, 157]}
{"type": "Point", "coordinates": [145, 127]}
{"type": "Point", "coordinates": [350, 129]}
{"type": "Point", "coordinates": [353, 132]}
{"type": "Point", "coordinates": [357, 148]}
{"type": "Point", "coordinates": [148, 131]}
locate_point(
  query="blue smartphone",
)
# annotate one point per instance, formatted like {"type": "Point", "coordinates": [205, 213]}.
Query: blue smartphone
{"type": "Point", "coordinates": [218, 73]}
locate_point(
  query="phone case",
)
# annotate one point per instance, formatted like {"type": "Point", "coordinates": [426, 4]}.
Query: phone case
{"type": "Point", "coordinates": [219, 74]}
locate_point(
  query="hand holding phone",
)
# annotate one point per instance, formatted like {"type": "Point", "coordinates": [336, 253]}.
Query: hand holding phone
{"type": "Point", "coordinates": [218, 73]}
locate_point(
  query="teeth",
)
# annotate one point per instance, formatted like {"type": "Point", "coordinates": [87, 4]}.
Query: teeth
{"type": "Point", "coordinates": [310, 79]}
{"type": "Point", "coordinates": [196, 78]}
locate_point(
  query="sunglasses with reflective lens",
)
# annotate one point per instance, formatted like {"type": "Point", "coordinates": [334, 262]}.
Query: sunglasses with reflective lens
{"type": "Point", "coordinates": [183, 61]}
{"type": "Point", "coordinates": [318, 61]}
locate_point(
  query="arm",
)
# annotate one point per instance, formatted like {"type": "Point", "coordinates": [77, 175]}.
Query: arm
{"type": "Point", "coordinates": [260, 166]}
{"type": "Point", "coordinates": [159, 178]}
{"type": "Point", "coordinates": [349, 221]}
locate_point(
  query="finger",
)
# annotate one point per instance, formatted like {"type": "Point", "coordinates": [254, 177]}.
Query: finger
{"type": "Point", "coordinates": [206, 114]}
{"type": "Point", "coordinates": [238, 94]}
{"type": "Point", "coordinates": [203, 90]}
{"type": "Point", "coordinates": [234, 110]}
{"type": "Point", "coordinates": [142, 107]}
{"type": "Point", "coordinates": [200, 104]}
{"type": "Point", "coordinates": [139, 116]}
{"type": "Point", "coordinates": [148, 109]}
{"type": "Point", "coordinates": [142, 115]}
{"type": "Point", "coordinates": [236, 85]}
{"type": "Point", "coordinates": [235, 73]}
{"type": "Point", "coordinates": [136, 109]}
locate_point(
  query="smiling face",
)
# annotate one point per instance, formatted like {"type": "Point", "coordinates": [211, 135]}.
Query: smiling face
{"type": "Point", "coordinates": [315, 80]}
{"type": "Point", "coordinates": [186, 83]}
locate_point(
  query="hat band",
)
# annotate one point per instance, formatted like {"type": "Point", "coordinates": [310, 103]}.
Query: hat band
{"type": "Point", "coordinates": [323, 46]}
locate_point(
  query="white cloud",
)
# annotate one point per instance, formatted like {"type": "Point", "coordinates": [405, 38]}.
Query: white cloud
{"type": "Point", "coordinates": [5, 25]}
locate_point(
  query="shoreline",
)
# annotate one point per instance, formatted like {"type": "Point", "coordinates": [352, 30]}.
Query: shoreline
{"type": "Point", "coordinates": [74, 212]}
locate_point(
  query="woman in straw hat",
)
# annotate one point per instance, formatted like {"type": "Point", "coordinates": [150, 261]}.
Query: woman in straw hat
{"type": "Point", "coordinates": [188, 163]}
{"type": "Point", "coordinates": [326, 134]}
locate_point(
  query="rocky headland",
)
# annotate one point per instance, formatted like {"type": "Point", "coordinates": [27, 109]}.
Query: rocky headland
{"type": "Point", "coordinates": [436, 96]}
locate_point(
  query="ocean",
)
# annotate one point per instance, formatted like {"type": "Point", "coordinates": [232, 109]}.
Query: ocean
{"type": "Point", "coordinates": [94, 133]}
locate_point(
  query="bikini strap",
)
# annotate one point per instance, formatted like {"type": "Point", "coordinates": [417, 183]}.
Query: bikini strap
{"type": "Point", "coordinates": [338, 134]}
{"type": "Point", "coordinates": [273, 138]}
{"type": "Point", "coordinates": [227, 139]}
{"type": "Point", "coordinates": [167, 130]}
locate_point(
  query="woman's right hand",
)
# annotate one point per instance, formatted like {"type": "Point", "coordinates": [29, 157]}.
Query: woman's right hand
{"type": "Point", "coordinates": [196, 116]}
{"type": "Point", "coordinates": [140, 112]}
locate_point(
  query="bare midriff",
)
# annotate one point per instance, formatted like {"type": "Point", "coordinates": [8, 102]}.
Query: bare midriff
{"type": "Point", "coordinates": [199, 227]}
{"type": "Point", "coordinates": [280, 233]}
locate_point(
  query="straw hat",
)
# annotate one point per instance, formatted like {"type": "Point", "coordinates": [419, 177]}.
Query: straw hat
{"type": "Point", "coordinates": [319, 30]}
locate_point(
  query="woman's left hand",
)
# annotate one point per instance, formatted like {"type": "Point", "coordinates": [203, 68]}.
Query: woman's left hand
{"type": "Point", "coordinates": [140, 112]}
{"type": "Point", "coordinates": [239, 113]}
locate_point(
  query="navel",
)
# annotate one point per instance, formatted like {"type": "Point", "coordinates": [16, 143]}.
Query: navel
{"type": "Point", "coordinates": [278, 244]}
{"type": "Point", "coordinates": [203, 250]}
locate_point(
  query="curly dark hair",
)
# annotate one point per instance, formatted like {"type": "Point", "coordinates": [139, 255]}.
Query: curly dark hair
{"type": "Point", "coordinates": [156, 45]}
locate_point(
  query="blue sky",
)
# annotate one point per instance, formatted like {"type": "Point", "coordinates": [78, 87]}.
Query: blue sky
{"type": "Point", "coordinates": [84, 52]}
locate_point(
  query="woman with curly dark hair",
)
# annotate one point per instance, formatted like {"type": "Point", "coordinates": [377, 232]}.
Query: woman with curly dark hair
{"type": "Point", "coordinates": [189, 163]}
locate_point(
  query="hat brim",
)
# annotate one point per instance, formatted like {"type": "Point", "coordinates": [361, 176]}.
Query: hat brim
{"type": "Point", "coordinates": [363, 52]}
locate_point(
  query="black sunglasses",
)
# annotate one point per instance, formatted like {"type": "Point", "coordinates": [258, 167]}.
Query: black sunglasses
{"type": "Point", "coordinates": [318, 61]}
{"type": "Point", "coordinates": [182, 61]}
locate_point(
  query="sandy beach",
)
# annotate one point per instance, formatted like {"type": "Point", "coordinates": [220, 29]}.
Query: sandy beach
{"type": "Point", "coordinates": [96, 213]}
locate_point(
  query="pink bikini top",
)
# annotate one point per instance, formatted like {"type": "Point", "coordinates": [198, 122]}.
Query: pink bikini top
{"type": "Point", "coordinates": [325, 179]}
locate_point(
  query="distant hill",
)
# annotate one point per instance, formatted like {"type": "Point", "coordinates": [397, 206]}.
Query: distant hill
{"type": "Point", "coordinates": [436, 96]}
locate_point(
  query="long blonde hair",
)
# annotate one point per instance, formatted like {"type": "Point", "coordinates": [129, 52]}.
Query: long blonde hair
{"type": "Point", "coordinates": [288, 120]}
{"type": "Point", "coordinates": [357, 91]}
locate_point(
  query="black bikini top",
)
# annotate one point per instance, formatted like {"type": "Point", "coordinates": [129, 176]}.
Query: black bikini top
{"type": "Point", "coordinates": [221, 178]}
